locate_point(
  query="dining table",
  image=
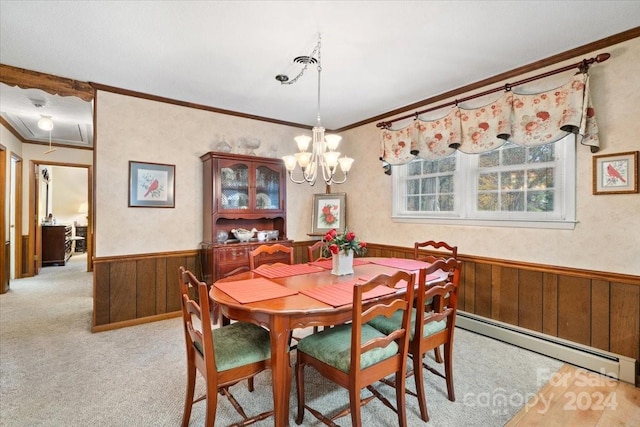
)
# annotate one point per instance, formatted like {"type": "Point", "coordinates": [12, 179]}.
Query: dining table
{"type": "Point", "coordinates": [283, 297]}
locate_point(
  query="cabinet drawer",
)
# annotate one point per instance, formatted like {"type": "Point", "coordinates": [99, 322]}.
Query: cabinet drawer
{"type": "Point", "coordinates": [232, 255]}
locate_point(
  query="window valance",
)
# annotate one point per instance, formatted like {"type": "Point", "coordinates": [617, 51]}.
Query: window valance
{"type": "Point", "coordinates": [522, 118]}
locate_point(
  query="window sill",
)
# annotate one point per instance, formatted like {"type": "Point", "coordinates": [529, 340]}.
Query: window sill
{"type": "Point", "coordinates": [545, 224]}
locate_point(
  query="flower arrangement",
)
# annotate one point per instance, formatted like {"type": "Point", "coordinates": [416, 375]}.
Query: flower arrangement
{"type": "Point", "coordinates": [344, 242]}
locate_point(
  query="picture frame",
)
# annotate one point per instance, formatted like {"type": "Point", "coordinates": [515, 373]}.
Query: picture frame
{"type": "Point", "coordinates": [151, 185]}
{"type": "Point", "coordinates": [615, 173]}
{"type": "Point", "coordinates": [329, 212]}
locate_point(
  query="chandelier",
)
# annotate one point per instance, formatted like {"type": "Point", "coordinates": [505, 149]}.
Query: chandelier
{"type": "Point", "coordinates": [322, 155]}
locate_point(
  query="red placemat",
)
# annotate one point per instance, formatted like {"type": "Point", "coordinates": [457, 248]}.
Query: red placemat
{"type": "Point", "coordinates": [402, 263]}
{"type": "Point", "coordinates": [273, 272]}
{"type": "Point", "coordinates": [342, 293]}
{"type": "Point", "coordinates": [328, 264]}
{"type": "Point", "coordinates": [252, 290]}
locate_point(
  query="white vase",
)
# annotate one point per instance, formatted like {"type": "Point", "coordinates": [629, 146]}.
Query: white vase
{"type": "Point", "coordinates": [342, 263]}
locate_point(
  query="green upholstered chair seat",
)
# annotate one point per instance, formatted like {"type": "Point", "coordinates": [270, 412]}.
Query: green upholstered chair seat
{"type": "Point", "coordinates": [240, 344]}
{"type": "Point", "coordinates": [386, 325]}
{"type": "Point", "coordinates": [333, 347]}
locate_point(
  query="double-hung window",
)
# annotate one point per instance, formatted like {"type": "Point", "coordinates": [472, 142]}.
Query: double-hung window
{"type": "Point", "coordinates": [509, 186]}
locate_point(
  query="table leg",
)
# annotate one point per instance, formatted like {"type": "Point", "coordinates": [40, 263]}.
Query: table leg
{"type": "Point", "coordinates": [280, 370]}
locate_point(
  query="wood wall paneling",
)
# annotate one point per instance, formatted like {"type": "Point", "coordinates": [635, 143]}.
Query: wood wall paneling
{"type": "Point", "coordinates": [145, 287]}
{"type": "Point", "coordinates": [574, 309]}
{"type": "Point", "coordinates": [600, 314]}
{"type": "Point", "coordinates": [483, 290]}
{"type": "Point", "coordinates": [550, 304]}
{"type": "Point", "coordinates": [625, 320]}
{"type": "Point", "coordinates": [101, 292]}
{"type": "Point", "coordinates": [507, 299]}
{"type": "Point", "coordinates": [469, 282]}
{"type": "Point", "coordinates": [127, 289]}
{"type": "Point", "coordinates": [122, 296]}
{"type": "Point", "coordinates": [530, 300]}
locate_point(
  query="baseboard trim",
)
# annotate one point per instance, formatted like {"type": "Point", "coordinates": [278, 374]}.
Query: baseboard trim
{"type": "Point", "coordinates": [603, 362]}
{"type": "Point", "coordinates": [134, 322]}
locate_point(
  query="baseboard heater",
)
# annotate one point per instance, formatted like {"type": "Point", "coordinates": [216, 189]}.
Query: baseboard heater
{"type": "Point", "coordinates": [613, 365]}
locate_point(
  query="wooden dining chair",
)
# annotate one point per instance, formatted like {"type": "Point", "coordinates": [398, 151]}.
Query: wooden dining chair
{"type": "Point", "coordinates": [432, 326]}
{"type": "Point", "coordinates": [224, 356]}
{"type": "Point", "coordinates": [263, 250]}
{"type": "Point", "coordinates": [314, 249]}
{"type": "Point", "coordinates": [438, 250]}
{"type": "Point", "coordinates": [356, 355]}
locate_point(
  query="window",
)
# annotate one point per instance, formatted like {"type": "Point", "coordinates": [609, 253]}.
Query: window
{"type": "Point", "coordinates": [509, 186]}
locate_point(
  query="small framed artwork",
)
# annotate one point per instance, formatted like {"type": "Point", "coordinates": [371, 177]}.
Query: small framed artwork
{"type": "Point", "coordinates": [615, 173]}
{"type": "Point", "coordinates": [151, 185]}
{"type": "Point", "coordinates": [329, 211]}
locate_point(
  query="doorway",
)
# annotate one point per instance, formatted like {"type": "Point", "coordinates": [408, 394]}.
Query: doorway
{"type": "Point", "coordinates": [63, 190]}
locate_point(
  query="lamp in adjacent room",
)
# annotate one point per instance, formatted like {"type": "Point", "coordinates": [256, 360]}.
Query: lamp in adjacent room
{"type": "Point", "coordinates": [322, 155]}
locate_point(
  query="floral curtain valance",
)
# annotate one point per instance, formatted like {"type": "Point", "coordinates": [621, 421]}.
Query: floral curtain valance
{"type": "Point", "coordinates": [524, 119]}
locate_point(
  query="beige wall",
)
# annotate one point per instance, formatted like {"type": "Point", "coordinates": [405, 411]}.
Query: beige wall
{"type": "Point", "coordinates": [13, 145]}
{"type": "Point", "coordinates": [605, 238]}
{"type": "Point", "coordinates": [147, 131]}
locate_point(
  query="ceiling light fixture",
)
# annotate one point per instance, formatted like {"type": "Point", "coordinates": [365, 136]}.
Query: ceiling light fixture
{"type": "Point", "coordinates": [45, 123]}
{"type": "Point", "coordinates": [323, 155]}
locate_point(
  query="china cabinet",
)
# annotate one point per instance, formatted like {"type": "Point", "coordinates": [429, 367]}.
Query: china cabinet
{"type": "Point", "coordinates": [245, 192]}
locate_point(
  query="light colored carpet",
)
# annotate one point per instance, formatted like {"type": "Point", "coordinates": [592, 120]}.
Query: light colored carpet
{"type": "Point", "coordinates": [55, 372]}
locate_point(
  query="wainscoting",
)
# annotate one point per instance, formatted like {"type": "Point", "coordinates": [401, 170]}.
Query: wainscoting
{"type": "Point", "coordinates": [128, 290]}
{"type": "Point", "coordinates": [595, 309]}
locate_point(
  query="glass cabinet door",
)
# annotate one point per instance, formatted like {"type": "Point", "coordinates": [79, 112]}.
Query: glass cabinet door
{"type": "Point", "coordinates": [234, 179]}
{"type": "Point", "coordinates": [267, 187]}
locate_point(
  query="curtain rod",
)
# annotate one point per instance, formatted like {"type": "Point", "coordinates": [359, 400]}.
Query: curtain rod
{"type": "Point", "coordinates": [582, 65]}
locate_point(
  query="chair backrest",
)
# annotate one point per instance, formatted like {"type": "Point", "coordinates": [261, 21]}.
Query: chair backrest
{"type": "Point", "coordinates": [363, 312]}
{"type": "Point", "coordinates": [311, 251]}
{"type": "Point", "coordinates": [196, 316]}
{"type": "Point", "coordinates": [442, 250]}
{"type": "Point", "coordinates": [269, 249]}
{"type": "Point", "coordinates": [438, 302]}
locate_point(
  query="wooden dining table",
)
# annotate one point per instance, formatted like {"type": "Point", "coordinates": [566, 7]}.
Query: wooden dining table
{"type": "Point", "coordinates": [286, 297]}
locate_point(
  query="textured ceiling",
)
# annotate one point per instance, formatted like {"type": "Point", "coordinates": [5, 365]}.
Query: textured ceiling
{"type": "Point", "coordinates": [377, 56]}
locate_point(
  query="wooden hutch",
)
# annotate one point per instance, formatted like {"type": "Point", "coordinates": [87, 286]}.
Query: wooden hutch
{"type": "Point", "coordinates": [240, 191]}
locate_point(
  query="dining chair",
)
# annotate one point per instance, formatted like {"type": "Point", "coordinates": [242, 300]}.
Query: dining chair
{"type": "Point", "coordinates": [270, 250]}
{"type": "Point", "coordinates": [224, 356]}
{"type": "Point", "coordinates": [431, 326]}
{"type": "Point", "coordinates": [356, 355]}
{"type": "Point", "coordinates": [438, 250]}
{"type": "Point", "coordinates": [316, 247]}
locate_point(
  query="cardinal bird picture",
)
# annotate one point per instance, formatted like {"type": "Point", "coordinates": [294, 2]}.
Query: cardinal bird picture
{"type": "Point", "coordinates": [614, 174]}
{"type": "Point", "coordinates": [152, 187]}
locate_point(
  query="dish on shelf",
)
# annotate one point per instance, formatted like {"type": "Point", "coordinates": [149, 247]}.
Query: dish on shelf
{"type": "Point", "coordinates": [225, 201]}
{"type": "Point", "coordinates": [263, 201]}
{"type": "Point", "coordinates": [238, 200]}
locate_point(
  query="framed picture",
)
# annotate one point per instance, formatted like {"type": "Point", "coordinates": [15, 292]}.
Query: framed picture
{"type": "Point", "coordinates": [151, 185]}
{"type": "Point", "coordinates": [615, 173]}
{"type": "Point", "coordinates": [329, 211]}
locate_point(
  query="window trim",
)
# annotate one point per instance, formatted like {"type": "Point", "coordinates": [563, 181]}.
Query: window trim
{"type": "Point", "coordinates": [466, 216]}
